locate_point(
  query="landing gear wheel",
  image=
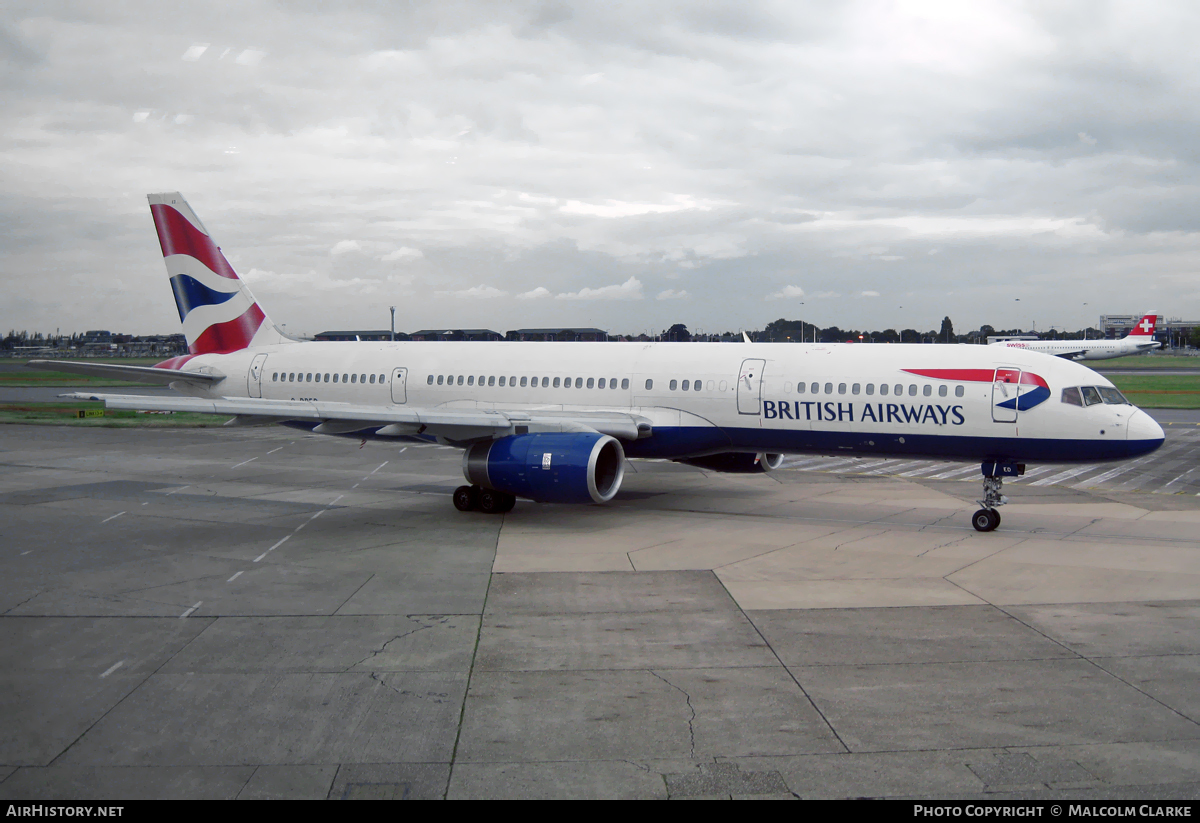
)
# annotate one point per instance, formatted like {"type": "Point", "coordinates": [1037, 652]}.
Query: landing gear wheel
{"type": "Point", "coordinates": [985, 520]}
{"type": "Point", "coordinates": [491, 501]}
{"type": "Point", "coordinates": [466, 498]}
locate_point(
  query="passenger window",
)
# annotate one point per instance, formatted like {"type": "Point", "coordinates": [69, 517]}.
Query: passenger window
{"type": "Point", "coordinates": [460, 380]}
{"type": "Point", "coordinates": [958, 391]}
{"type": "Point", "coordinates": [612, 383]}
{"type": "Point", "coordinates": [326, 377]}
{"type": "Point", "coordinates": [1072, 396]}
{"type": "Point", "coordinates": [841, 388]}
{"type": "Point", "coordinates": [492, 380]}
{"type": "Point", "coordinates": [345, 378]}
{"type": "Point", "coordinates": [545, 382]}
{"type": "Point", "coordinates": [372, 378]}
{"type": "Point", "coordinates": [481, 377]}
{"type": "Point", "coordinates": [723, 385]}
{"type": "Point", "coordinates": [556, 382]}
{"type": "Point", "coordinates": [625, 383]}
{"type": "Point", "coordinates": [685, 385]}
{"type": "Point", "coordinates": [599, 385]}
{"type": "Point", "coordinates": [870, 389]}
{"type": "Point", "coordinates": [471, 380]}
{"type": "Point", "coordinates": [815, 388]}
{"type": "Point", "coordinates": [524, 381]}
{"type": "Point", "coordinates": [579, 382]}
{"type": "Point", "coordinates": [429, 381]}
{"type": "Point", "coordinates": [855, 389]}
{"type": "Point", "coordinates": [381, 380]}
{"type": "Point", "coordinates": [591, 383]}
{"type": "Point", "coordinates": [898, 390]}
{"type": "Point", "coordinates": [696, 385]}
{"type": "Point", "coordinates": [649, 384]}
{"type": "Point", "coordinates": [354, 378]}
{"type": "Point", "coordinates": [1090, 396]}
{"type": "Point", "coordinates": [829, 388]}
{"type": "Point", "coordinates": [800, 387]}
{"type": "Point", "coordinates": [275, 377]}
{"type": "Point", "coordinates": [927, 390]}
{"type": "Point", "coordinates": [501, 380]}
{"type": "Point", "coordinates": [291, 377]}
{"type": "Point", "coordinates": [673, 385]}
{"type": "Point", "coordinates": [439, 379]}
{"type": "Point", "coordinates": [309, 379]}
{"type": "Point", "coordinates": [512, 381]}
{"type": "Point", "coordinates": [335, 378]}
{"type": "Point", "coordinates": [942, 390]}
{"type": "Point", "coordinates": [912, 389]}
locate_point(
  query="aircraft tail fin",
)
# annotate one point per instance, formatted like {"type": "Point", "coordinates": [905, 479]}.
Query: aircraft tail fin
{"type": "Point", "coordinates": [217, 310]}
{"type": "Point", "coordinates": [1145, 326]}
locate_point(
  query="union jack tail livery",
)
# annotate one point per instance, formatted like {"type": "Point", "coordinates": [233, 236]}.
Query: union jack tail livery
{"type": "Point", "coordinates": [218, 312]}
{"type": "Point", "coordinates": [1144, 327]}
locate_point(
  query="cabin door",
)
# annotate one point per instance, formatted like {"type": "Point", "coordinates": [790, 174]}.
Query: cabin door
{"type": "Point", "coordinates": [749, 389]}
{"type": "Point", "coordinates": [1006, 388]}
{"type": "Point", "coordinates": [399, 387]}
{"type": "Point", "coordinates": [254, 378]}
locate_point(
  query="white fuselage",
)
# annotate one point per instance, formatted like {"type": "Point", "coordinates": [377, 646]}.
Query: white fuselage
{"type": "Point", "coordinates": [1085, 349]}
{"type": "Point", "coordinates": [855, 399]}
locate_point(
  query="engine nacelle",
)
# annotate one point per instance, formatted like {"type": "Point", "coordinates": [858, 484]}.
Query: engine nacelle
{"type": "Point", "coordinates": [552, 467]}
{"type": "Point", "coordinates": [736, 462]}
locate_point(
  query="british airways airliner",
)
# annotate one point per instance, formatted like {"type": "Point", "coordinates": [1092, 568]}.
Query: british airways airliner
{"type": "Point", "coordinates": [1140, 339]}
{"type": "Point", "coordinates": [556, 423]}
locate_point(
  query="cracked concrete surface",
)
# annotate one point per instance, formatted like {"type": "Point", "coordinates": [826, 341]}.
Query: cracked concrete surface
{"type": "Point", "coordinates": [797, 635]}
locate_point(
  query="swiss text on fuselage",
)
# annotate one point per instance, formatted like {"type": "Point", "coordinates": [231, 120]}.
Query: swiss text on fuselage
{"type": "Point", "coordinates": [862, 412]}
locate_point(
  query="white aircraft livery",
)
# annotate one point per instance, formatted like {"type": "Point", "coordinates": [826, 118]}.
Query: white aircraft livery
{"type": "Point", "coordinates": [556, 422]}
{"type": "Point", "coordinates": [1140, 339]}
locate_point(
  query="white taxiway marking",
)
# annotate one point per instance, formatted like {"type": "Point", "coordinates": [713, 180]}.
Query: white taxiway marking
{"type": "Point", "coordinates": [168, 494]}
{"type": "Point", "coordinates": [236, 575]}
{"type": "Point", "coordinates": [25, 553]}
{"type": "Point", "coordinates": [192, 609]}
{"type": "Point", "coordinates": [318, 514]}
{"type": "Point", "coordinates": [244, 462]}
{"type": "Point", "coordinates": [145, 504]}
{"type": "Point", "coordinates": [272, 451]}
{"type": "Point", "coordinates": [336, 499]}
{"type": "Point", "coordinates": [403, 450]}
{"type": "Point", "coordinates": [380, 466]}
{"type": "Point", "coordinates": [115, 516]}
{"type": "Point", "coordinates": [355, 486]}
{"type": "Point", "coordinates": [113, 668]}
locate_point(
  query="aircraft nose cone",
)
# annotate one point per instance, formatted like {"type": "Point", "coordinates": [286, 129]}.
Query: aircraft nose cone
{"type": "Point", "coordinates": [1145, 428]}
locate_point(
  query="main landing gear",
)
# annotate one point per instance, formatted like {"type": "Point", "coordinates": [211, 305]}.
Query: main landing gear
{"type": "Point", "coordinates": [987, 518]}
{"type": "Point", "coordinates": [488, 501]}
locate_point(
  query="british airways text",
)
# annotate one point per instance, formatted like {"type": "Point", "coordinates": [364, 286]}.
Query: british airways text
{"type": "Point", "coordinates": [874, 412]}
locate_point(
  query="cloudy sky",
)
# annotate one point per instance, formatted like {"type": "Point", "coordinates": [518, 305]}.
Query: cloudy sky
{"type": "Point", "coordinates": [626, 166]}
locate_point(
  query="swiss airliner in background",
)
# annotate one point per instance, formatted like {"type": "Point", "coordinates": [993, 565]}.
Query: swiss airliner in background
{"type": "Point", "coordinates": [1140, 339]}
{"type": "Point", "coordinates": [557, 422]}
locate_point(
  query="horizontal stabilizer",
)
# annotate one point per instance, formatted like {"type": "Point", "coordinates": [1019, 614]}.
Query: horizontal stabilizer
{"type": "Point", "coordinates": [137, 374]}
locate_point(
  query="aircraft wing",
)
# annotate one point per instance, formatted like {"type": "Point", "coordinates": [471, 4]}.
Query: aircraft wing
{"type": "Point", "coordinates": [459, 425]}
{"type": "Point", "coordinates": [1071, 355]}
{"type": "Point", "coordinates": [137, 374]}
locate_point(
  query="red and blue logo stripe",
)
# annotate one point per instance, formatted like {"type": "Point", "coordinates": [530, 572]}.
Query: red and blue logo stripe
{"type": "Point", "coordinates": [1034, 390]}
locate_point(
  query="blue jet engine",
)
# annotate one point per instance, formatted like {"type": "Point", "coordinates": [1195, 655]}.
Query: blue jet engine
{"type": "Point", "coordinates": [575, 467]}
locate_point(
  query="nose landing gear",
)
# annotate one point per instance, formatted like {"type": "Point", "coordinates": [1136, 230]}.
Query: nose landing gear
{"type": "Point", "coordinates": [987, 518]}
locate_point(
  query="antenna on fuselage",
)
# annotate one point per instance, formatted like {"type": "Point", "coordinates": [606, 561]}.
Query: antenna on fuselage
{"type": "Point", "coordinates": [746, 337]}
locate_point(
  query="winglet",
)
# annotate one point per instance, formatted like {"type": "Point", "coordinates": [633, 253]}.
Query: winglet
{"type": "Point", "coordinates": [746, 337]}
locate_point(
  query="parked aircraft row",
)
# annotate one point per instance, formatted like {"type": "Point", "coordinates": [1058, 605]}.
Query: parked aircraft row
{"type": "Point", "coordinates": [556, 423]}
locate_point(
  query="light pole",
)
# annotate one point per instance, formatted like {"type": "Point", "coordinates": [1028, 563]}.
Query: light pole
{"type": "Point", "coordinates": [393, 308]}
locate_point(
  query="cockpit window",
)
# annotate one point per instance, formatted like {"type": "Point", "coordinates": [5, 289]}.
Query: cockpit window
{"type": "Point", "coordinates": [1090, 396]}
{"type": "Point", "coordinates": [1072, 396]}
{"type": "Point", "coordinates": [1111, 396]}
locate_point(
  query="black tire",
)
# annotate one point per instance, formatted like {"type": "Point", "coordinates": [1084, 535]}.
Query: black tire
{"type": "Point", "coordinates": [466, 498]}
{"type": "Point", "coordinates": [995, 520]}
{"type": "Point", "coordinates": [491, 501]}
{"type": "Point", "coordinates": [510, 500]}
{"type": "Point", "coordinates": [983, 520]}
